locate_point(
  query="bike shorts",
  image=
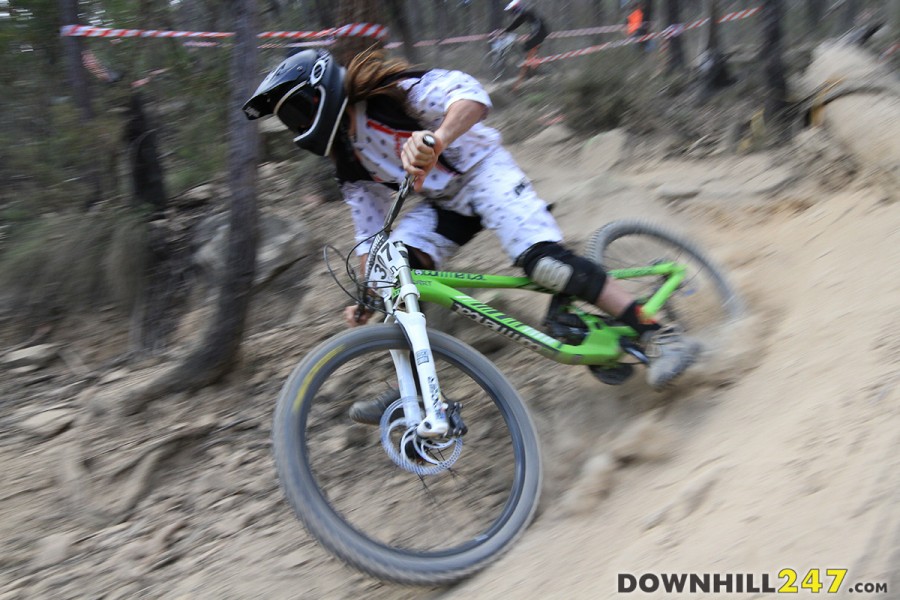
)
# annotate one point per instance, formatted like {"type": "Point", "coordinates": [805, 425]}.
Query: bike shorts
{"type": "Point", "coordinates": [494, 194]}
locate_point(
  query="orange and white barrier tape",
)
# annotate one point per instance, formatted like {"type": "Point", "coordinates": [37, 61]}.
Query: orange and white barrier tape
{"type": "Point", "coordinates": [669, 32]}
{"type": "Point", "coordinates": [352, 30]}
{"type": "Point", "coordinates": [887, 53]}
{"type": "Point", "coordinates": [326, 35]}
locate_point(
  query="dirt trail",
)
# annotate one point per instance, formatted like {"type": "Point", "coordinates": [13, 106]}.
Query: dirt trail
{"type": "Point", "coordinates": [784, 459]}
{"type": "Point", "coordinates": [792, 465]}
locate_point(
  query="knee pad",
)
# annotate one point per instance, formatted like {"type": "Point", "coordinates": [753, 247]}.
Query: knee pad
{"type": "Point", "coordinates": [557, 268]}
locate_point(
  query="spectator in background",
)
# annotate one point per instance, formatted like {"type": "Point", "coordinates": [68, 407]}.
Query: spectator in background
{"type": "Point", "coordinates": [634, 24]}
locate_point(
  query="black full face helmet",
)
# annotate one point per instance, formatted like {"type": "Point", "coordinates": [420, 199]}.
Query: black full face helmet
{"type": "Point", "coordinates": [306, 93]}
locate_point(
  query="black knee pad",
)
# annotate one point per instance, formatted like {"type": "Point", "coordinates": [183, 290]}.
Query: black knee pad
{"type": "Point", "coordinates": [555, 267]}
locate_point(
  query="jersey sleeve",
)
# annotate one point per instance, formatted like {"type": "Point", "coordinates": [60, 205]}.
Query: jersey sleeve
{"type": "Point", "coordinates": [433, 94]}
{"type": "Point", "coordinates": [369, 202]}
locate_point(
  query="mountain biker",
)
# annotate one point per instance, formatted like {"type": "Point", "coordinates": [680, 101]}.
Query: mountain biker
{"type": "Point", "coordinates": [371, 118]}
{"type": "Point", "coordinates": [538, 33]}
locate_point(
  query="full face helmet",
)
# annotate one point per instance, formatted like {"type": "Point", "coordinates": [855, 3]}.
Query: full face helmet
{"type": "Point", "coordinates": [306, 93]}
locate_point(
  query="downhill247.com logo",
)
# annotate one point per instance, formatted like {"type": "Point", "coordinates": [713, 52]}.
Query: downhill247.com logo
{"type": "Point", "coordinates": [788, 581]}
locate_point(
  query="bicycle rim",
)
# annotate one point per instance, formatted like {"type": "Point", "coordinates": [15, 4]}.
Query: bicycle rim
{"type": "Point", "coordinates": [390, 522]}
{"type": "Point", "coordinates": [705, 304]}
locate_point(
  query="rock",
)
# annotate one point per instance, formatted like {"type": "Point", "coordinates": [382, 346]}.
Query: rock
{"type": "Point", "coordinates": [296, 558]}
{"type": "Point", "coordinates": [48, 423]}
{"type": "Point", "coordinates": [281, 243]}
{"type": "Point", "coordinates": [671, 192]}
{"type": "Point", "coordinates": [52, 550]}
{"type": "Point", "coordinates": [603, 151]}
{"type": "Point", "coordinates": [197, 196]}
{"type": "Point", "coordinates": [770, 181]}
{"type": "Point", "coordinates": [554, 134]}
{"type": "Point", "coordinates": [254, 511]}
{"type": "Point", "coordinates": [164, 538]}
{"type": "Point", "coordinates": [35, 356]}
{"type": "Point", "coordinates": [113, 376]}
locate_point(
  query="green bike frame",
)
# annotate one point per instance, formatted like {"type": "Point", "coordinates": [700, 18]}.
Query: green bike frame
{"type": "Point", "coordinates": [601, 346]}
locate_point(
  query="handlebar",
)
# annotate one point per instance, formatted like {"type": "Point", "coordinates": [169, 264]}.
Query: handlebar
{"type": "Point", "coordinates": [405, 188]}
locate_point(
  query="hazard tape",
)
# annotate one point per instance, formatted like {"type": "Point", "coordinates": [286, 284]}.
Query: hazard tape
{"type": "Point", "coordinates": [352, 30]}
{"type": "Point", "coordinates": [667, 33]}
{"type": "Point", "coordinates": [326, 35]}
{"type": "Point", "coordinates": [890, 51]}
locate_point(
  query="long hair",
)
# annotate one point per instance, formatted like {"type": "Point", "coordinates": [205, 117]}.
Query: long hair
{"type": "Point", "coordinates": [368, 70]}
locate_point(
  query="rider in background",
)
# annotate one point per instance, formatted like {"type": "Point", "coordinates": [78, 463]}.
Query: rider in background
{"type": "Point", "coordinates": [537, 35]}
{"type": "Point", "coordinates": [371, 120]}
{"type": "Point", "coordinates": [635, 22]}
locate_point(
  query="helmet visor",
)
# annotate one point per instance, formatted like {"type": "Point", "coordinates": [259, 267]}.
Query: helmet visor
{"type": "Point", "coordinates": [299, 109]}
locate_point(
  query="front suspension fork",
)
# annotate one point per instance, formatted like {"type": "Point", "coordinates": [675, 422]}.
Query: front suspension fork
{"type": "Point", "coordinates": [435, 424]}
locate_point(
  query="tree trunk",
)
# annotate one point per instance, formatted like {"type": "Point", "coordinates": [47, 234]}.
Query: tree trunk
{"type": "Point", "coordinates": [647, 24]}
{"type": "Point", "coordinates": [713, 66]}
{"type": "Point", "coordinates": [356, 11]}
{"type": "Point", "coordinates": [416, 22]}
{"type": "Point", "coordinates": [599, 12]}
{"type": "Point", "coordinates": [400, 20]}
{"type": "Point", "coordinates": [146, 169]}
{"type": "Point", "coordinates": [78, 83]}
{"type": "Point", "coordinates": [495, 19]}
{"type": "Point", "coordinates": [443, 24]}
{"type": "Point", "coordinates": [848, 15]}
{"type": "Point", "coordinates": [676, 47]}
{"type": "Point", "coordinates": [712, 37]}
{"type": "Point", "coordinates": [770, 56]}
{"type": "Point", "coordinates": [815, 9]}
{"type": "Point", "coordinates": [214, 355]}
{"type": "Point", "coordinates": [324, 9]}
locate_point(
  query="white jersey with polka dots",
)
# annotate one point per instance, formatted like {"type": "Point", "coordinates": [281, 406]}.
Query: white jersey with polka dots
{"type": "Point", "coordinates": [485, 180]}
{"type": "Point", "coordinates": [378, 146]}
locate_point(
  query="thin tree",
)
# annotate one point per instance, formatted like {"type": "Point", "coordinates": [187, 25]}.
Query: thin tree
{"type": "Point", "coordinates": [357, 11]}
{"type": "Point", "coordinates": [214, 355]}
{"type": "Point", "coordinates": [599, 11]}
{"type": "Point", "coordinates": [495, 15]}
{"type": "Point", "coordinates": [771, 58]}
{"type": "Point", "coordinates": [815, 10]}
{"type": "Point", "coordinates": [848, 15]}
{"type": "Point", "coordinates": [400, 20]}
{"type": "Point", "coordinates": [78, 82]}
{"type": "Point", "coordinates": [714, 67]}
{"type": "Point", "coordinates": [676, 48]}
{"type": "Point", "coordinates": [444, 25]}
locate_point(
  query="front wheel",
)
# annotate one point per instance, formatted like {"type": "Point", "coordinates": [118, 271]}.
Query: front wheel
{"type": "Point", "coordinates": [706, 304]}
{"type": "Point", "coordinates": [389, 522]}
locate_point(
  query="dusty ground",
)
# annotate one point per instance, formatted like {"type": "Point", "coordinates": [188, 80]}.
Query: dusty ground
{"type": "Point", "coordinates": [787, 459]}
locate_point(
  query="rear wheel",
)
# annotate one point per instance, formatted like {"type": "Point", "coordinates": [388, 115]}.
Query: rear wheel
{"type": "Point", "coordinates": [705, 304]}
{"type": "Point", "coordinates": [369, 505]}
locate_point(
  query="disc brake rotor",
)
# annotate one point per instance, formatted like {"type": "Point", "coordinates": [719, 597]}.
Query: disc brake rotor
{"type": "Point", "coordinates": [413, 453]}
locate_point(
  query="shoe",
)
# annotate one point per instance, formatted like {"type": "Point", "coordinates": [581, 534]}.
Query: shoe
{"type": "Point", "coordinates": [670, 353]}
{"type": "Point", "coordinates": [369, 412]}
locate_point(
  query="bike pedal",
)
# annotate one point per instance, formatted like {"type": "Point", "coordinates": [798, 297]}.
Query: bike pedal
{"type": "Point", "coordinates": [634, 350]}
{"type": "Point", "coordinates": [613, 375]}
